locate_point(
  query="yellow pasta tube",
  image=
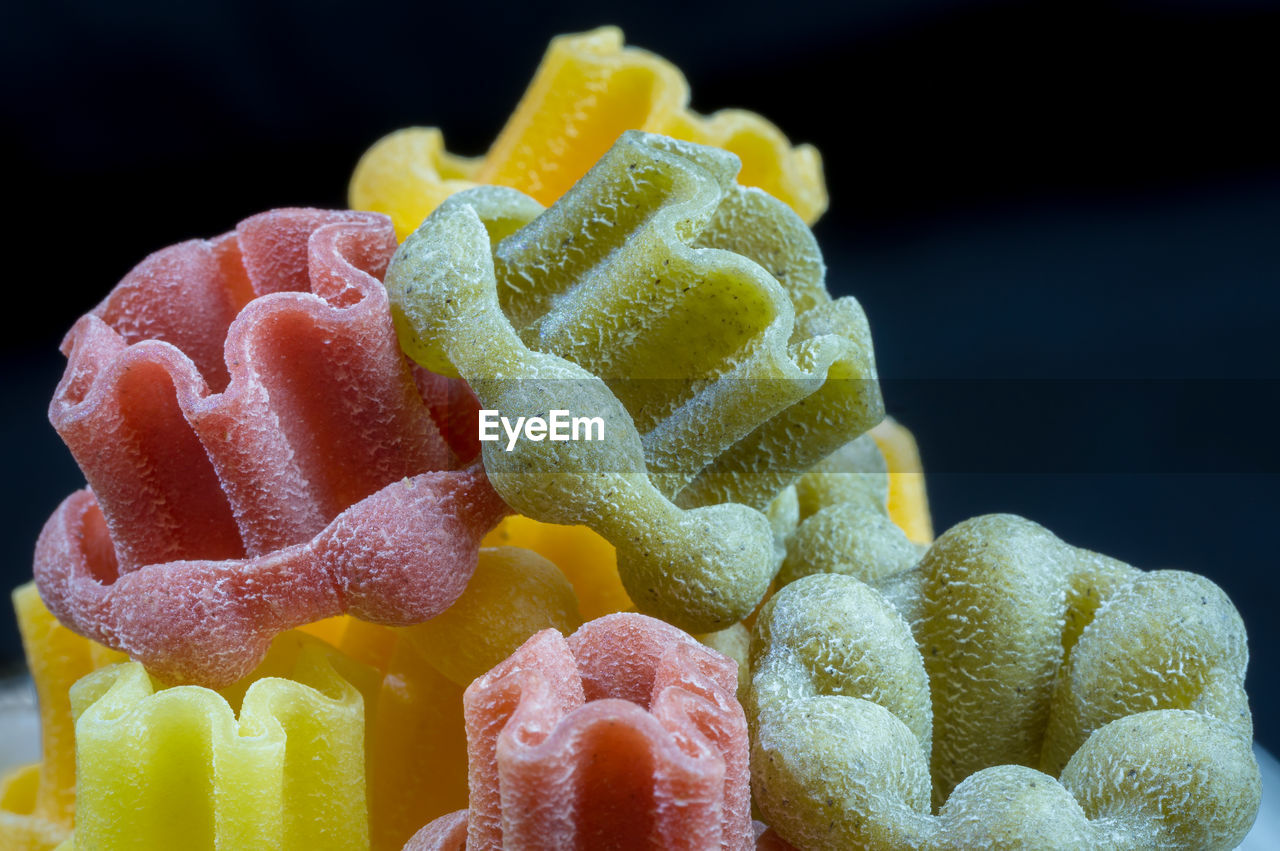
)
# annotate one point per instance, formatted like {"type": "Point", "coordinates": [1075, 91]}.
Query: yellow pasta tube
{"type": "Point", "coordinates": [175, 768]}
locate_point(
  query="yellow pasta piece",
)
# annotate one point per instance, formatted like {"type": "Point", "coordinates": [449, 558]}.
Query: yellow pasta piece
{"type": "Point", "coordinates": [908, 502]}
{"type": "Point", "coordinates": [415, 741]}
{"type": "Point", "coordinates": [588, 90]}
{"type": "Point", "coordinates": [588, 561]}
{"type": "Point", "coordinates": [175, 767]}
{"type": "Point", "coordinates": [37, 808]}
{"type": "Point", "coordinates": [513, 594]}
{"type": "Point", "coordinates": [415, 747]}
{"type": "Point", "coordinates": [407, 175]}
{"type": "Point", "coordinates": [18, 789]}
{"type": "Point", "coordinates": [685, 312]}
{"type": "Point", "coordinates": [417, 750]}
{"type": "Point", "coordinates": [21, 828]}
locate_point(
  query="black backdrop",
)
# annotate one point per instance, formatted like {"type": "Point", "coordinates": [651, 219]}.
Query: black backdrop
{"type": "Point", "coordinates": [1061, 218]}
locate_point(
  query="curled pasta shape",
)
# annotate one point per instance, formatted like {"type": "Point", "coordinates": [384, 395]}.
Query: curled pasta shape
{"type": "Point", "coordinates": [259, 452]}
{"type": "Point", "coordinates": [1037, 694]}
{"type": "Point", "coordinates": [689, 315]}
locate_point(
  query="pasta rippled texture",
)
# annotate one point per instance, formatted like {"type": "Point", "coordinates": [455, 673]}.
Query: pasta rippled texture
{"type": "Point", "coordinates": [259, 452]}
{"type": "Point", "coordinates": [1036, 694]}
{"type": "Point", "coordinates": [587, 91]}
{"type": "Point", "coordinates": [627, 728]}
{"type": "Point", "coordinates": [684, 312]}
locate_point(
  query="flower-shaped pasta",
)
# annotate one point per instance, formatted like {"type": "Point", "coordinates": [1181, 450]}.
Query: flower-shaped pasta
{"type": "Point", "coordinates": [626, 731]}
{"type": "Point", "coordinates": [182, 767]}
{"type": "Point", "coordinates": [685, 312]}
{"type": "Point", "coordinates": [415, 741]}
{"type": "Point", "coordinates": [258, 451]}
{"type": "Point", "coordinates": [588, 90]}
{"type": "Point", "coordinates": [1125, 690]}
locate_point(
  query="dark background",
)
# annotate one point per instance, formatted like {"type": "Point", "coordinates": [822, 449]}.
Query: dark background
{"type": "Point", "coordinates": [1062, 219]}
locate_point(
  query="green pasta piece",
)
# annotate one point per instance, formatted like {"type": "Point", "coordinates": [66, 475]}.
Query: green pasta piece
{"type": "Point", "coordinates": [684, 311]}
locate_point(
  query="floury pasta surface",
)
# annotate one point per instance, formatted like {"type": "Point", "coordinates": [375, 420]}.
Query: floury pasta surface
{"type": "Point", "coordinates": [637, 299]}
{"type": "Point", "coordinates": [302, 605]}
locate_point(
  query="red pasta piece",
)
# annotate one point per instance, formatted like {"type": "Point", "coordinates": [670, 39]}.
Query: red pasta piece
{"type": "Point", "coordinates": [627, 734]}
{"type": "Point", "coordinates": [258, 450]}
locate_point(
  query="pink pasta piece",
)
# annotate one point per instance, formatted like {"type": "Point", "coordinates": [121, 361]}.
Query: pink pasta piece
{"type": "Point", "coordinates": [447, 833]}
{"type": "Point", "coordinates": [627, 734]}
{"type": "Point", "coordinates": [455, 409]}
{"type": "Point", "coordinates": [259, 453]}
